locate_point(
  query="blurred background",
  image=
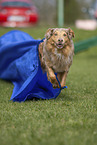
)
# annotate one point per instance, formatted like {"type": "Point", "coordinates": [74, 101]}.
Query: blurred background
{"type": "Point", "coordinates": [80, 14]}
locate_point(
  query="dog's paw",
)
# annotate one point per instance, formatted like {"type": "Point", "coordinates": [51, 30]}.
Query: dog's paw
{"type": "Point", "coordinates": [53, 81]}
{"type": "Point", "coordinates": [55, 86]}
{"type": "Point", "coordinates": [62, 85]}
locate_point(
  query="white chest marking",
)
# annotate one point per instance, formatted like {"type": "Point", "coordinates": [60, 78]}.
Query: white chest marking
{"type": "Point", "coordinates": [61, 62]}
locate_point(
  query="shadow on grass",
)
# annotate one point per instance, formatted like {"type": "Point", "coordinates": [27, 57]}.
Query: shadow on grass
{"type": "Point", "coordinates": [5, 82]}
{"type": "Point", "coordinates": [59, 98]}
{"type": "Point", "coordinates": [63, 97]}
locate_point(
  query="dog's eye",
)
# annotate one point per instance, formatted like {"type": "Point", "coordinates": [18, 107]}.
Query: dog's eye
{"type": "Point", "coordinates": [64, 34]}
{"type": "Point", "coordinates": [55, 34]}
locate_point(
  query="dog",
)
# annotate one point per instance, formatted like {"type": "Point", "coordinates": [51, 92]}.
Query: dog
{"type": "Point", "coordinates": [56, 54]}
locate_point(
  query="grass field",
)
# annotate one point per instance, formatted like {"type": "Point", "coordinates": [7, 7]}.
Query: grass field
{"type": "Point", "coordinates": [71, 119]}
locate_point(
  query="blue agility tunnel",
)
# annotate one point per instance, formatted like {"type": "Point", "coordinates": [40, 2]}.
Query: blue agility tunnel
{"type": "Point", "coordinates": [19, 63]}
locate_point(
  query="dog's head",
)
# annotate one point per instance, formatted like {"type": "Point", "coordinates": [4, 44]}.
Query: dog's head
{"type": "Point", "coordinates": [59, 36]}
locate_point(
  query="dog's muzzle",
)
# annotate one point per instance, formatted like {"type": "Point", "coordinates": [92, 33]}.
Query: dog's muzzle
{"type": "Point", "coordinates": [60, 43]}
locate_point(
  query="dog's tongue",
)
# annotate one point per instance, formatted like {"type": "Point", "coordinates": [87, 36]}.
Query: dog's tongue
{"type": "Point", "coordinates": [60, 46]}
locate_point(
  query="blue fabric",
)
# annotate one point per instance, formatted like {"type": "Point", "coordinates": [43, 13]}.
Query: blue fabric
{"type": "Point", "coordinates": [19, 63]}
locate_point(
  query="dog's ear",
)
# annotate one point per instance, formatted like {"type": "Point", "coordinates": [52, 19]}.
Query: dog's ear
{"type": "Point", "coordinates": [70, 33]}
{"type": "Point", "coordinates": [49, 33]}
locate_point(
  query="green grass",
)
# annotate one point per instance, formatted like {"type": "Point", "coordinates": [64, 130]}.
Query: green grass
{"type": "Point", "coordinates": [39, 32]}
{"type": "Point", "coordinates": [71, 119]}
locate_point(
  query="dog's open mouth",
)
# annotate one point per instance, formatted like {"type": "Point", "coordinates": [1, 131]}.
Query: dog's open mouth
{"type": "Point", "coordinates": [59, 45]}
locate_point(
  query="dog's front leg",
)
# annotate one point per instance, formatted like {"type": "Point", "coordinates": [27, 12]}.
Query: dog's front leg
{"type": "Point", "coordinates": [63, 78]}
{"type": "Point", "coordinates": [52, 78]}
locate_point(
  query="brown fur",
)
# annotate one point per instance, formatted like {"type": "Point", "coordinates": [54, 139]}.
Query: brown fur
{"type": "Point", "coordinates": [56, 54]}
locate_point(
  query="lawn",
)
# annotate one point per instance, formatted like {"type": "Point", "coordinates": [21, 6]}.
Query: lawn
{"type": "Point", "coordinates": [71, 119]}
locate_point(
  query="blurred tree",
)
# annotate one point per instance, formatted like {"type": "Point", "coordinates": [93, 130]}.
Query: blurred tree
{"type": "Point", "coordinates": [72, 11]}
{"type": "Point", "coordinates": [47, 11]}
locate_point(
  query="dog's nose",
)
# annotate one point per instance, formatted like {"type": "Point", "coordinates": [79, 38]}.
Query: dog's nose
{"type": "Point", "coordinates": [60, 40]}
